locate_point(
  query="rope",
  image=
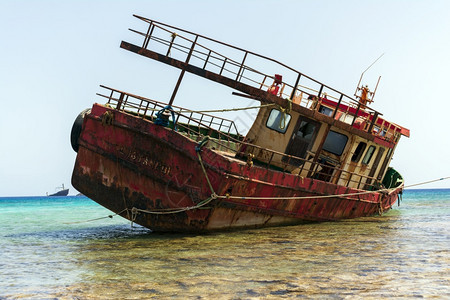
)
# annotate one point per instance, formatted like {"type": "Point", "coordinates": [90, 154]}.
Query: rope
{"type": "Point", "coordinates": [163, 120]}
{"type": "Point", "coordinates": [213, 196]}
{"type": "Point", "coordinates": [213, 110]}
{"type": "Point", "coordinates": [135, 211]}
{"type": "Point", "coordinates": [198, 149]}
{"type": "Point", "coordinates": [227, 109]}
{"type": "Point", "coordinates": [305, 197]}
{"type": "Point", "coordinates": [427, 182]}
{"type": "Point", "coordinates": [134, 214]}
{"type": "Point", "coordinates": [285, 111]}
{"type": "Point", "coordinates": [330, 196]}
{"type": "Point", "coordinates": [176, 210]}
{"type": "Point", "coordinates": [96, 219]}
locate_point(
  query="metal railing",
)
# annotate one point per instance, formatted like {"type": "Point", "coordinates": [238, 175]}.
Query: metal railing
{"type": "Point", "coordinates": [223, 132]}
{"type": "Point", "coordinates": [309, 168]}
{"type": "Point", "coordinates": [193, 122]}
{"type": "Point", "coordinates": [206, 53]}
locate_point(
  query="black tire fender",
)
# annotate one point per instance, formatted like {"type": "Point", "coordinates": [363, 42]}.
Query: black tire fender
{"type": "Point", "coordinates": [76, 129]}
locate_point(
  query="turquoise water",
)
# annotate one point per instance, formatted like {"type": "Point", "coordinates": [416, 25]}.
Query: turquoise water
{"type": "Point", "coordinates": [45, 255]}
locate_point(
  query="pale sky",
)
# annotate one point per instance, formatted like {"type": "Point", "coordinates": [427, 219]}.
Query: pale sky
{"type": "Point", "coordinates": [55, 54]}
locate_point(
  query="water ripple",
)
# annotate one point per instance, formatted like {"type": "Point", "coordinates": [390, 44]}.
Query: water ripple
{"type": "Point", "coordinates": [403, 254]}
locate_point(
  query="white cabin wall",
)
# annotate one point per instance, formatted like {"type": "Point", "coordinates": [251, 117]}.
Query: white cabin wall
{"type": "Point", "coordinates": [359, 168]}
{"type": "Point", "coordinates": [261, 135]}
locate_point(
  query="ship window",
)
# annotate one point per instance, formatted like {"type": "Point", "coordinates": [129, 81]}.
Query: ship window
{"type": "Point", "coordinates": [377, 130]}
{"type": "Point", "coordinates": [306, 130]}
{"type": "Point", "coordinates": [335, 142]}
{"type": "Point", "coordinates": [278, 121]}
{"type": "Point", "coordinates": [326, 110]}
{"type": "Point", "coordinates": [368, 155]}
{"type": "Point", "coordinates": [359, 151]}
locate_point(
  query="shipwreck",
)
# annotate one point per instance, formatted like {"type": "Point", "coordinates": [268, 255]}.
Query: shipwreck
{"type": "Point", "coordinates": [312, 154]}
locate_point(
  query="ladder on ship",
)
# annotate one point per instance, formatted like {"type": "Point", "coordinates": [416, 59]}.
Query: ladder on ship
{"type": "Point", "coordinates": [234, 67]}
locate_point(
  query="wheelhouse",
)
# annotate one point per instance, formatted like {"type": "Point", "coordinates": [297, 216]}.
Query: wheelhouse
{"type": "Point", "coordinates": [334, 145]}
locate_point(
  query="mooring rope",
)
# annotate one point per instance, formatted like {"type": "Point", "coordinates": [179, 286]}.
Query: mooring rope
{"type": "Point", "coordinates": [228, 109]}
{"type": "Point", "coordinates": [331, 196]}
{"type": "Point", "coordinates": [96, 219]}
{"type": "Point", "coordinates": [427, 182]}
{"type": "Point", "coordinates": [167, 211]}
{"type": "Point", "coordinates": [209, 111]}
{"type": "Point", "coordinates": [308, 197]}
{"type": "Point", "coordinates": [214, 196]}
{"type": "Point", "coordinates": [197, 149]}
{"type": "Point", "coordinates": [334, 195]}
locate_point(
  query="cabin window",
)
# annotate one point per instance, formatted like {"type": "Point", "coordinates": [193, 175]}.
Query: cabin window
{"type": "Point", "coordinates": [306, 130]}
{"type": "Point", "coordinates": [326, 110]}
{"type": "Point", "coordinates": [359, 151]}
{"type": "Point", "coordinates": [368, 155]}
{"type": "Point", "coordinates": [335, 143]}
{"type": "Point", "coordinates": [377, 130]}
{"type": "Point", "coordinates": [278, 121]}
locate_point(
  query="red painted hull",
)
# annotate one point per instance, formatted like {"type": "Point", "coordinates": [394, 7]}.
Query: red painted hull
{"type": "Point", "coordinates": [133, 163]}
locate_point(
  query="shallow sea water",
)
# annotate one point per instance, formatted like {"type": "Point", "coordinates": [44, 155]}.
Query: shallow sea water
{"type": "Point", "coordinates": [404, 253]}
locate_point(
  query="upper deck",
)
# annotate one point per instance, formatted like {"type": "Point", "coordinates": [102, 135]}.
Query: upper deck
{"type": "Point", "coordinates": [246, 72]}
{"type": "Point", "coordinates": [304, 127]}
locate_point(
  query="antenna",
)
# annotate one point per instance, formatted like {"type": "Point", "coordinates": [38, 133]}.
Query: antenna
{"type": "Point", "coordinates": [362, 74]}
{"type": "Point", "coordinates": [373, 95]}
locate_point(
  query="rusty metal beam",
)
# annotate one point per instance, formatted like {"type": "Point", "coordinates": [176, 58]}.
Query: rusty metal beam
{"type": "Point", "coordinates": [260, 94]}
{"type": "Point", "coordinates": [183, 70]}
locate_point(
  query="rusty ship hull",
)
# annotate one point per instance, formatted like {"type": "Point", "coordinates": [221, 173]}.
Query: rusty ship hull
{"type": "Point", "coordinates": [155, 177]}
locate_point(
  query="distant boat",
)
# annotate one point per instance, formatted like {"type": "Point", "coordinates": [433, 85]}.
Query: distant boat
{"type": "Point", "coordinates": [61, 192]}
